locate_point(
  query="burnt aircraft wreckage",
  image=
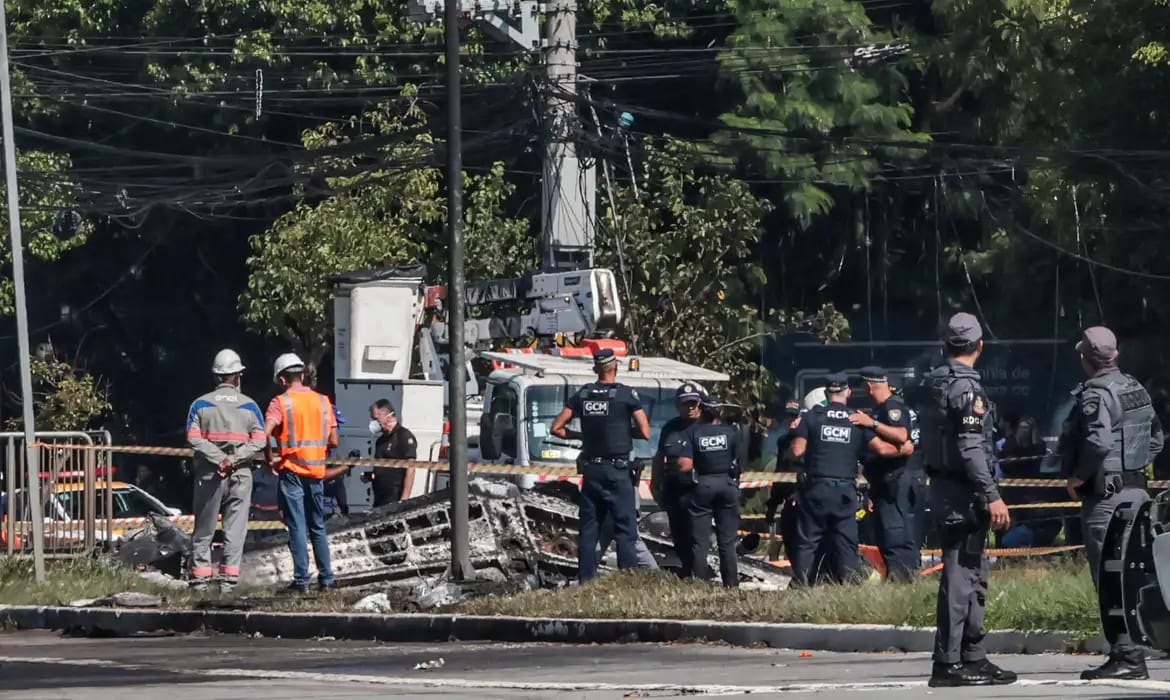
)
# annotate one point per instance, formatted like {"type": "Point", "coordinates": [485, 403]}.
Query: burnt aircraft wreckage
{"type": "Point", "coordinates": [518, 536]}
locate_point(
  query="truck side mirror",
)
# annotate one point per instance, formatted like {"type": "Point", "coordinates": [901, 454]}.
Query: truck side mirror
{"type": "Point", "coordinates": [489, 446]}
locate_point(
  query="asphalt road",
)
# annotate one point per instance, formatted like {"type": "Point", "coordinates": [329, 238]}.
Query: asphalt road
{"type": "Point", "coordinates": [45, 666]}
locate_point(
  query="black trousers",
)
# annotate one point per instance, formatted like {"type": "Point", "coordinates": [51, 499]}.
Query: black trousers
{"type": "Point", "coordinates": [962, 592]}
{"type": "Point", "coordinates": [826, 509]}
{"type": "Point", "coordinates": [714, 498]}
{"type": "Point", "coordinates": [673, 494]}
{"type": "Point", "coordinates": [896, 498]}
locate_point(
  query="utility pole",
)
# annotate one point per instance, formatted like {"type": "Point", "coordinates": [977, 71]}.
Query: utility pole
{"type": "Point", "coordinates": [461, 569]}
{"type": "Point", "coordinates": [568, 210]}
{"type": "Point", "coordinates": [33, 487]}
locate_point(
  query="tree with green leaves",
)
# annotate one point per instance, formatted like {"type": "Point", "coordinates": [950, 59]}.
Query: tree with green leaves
{"type": "Point", "coordinates": [806, 115]}
{"type": "Point", "coordinates": [390, 217]}
{"type": "Point", "coordinates": [64, 397]}
{"type": "Point", "coordinates": [685, 248]}
{"type": "Point", "coordinates": [50, 224]}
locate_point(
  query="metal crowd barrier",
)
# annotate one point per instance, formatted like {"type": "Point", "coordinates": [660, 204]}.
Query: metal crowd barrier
{"type": "Point", "coordinates": [75, 493]}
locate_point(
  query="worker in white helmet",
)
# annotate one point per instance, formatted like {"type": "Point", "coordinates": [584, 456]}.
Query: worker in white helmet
{"type": "Point", "coordinates": [304, 426]}
{"type": "Point", "coordinates": [226, 430]}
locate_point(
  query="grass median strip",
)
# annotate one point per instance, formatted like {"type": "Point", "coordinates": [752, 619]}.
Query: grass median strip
{"type": "Point", "coordinates": [1058, 596]}
{"type": "Point", "coordinates": [1055, 595]}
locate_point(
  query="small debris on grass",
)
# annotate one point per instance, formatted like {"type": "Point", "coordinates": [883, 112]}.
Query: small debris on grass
{"type": "Point", "coordinates": [128, 599]}
{"type": "Point", "coordinates": [429, 665]}
{"type": "Point", "coordinates": [161, 579]}
{"type": "Point", "coordinates": [374, 603]}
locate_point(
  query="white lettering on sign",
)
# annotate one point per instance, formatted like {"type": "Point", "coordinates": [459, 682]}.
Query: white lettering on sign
{"type": "Point", "coordinates": [836, 433]}
{"type": "Point", "coordinates": [839, 415]}
{"type": "Point", "coordinates": [713, 443]}
{"type": "Point", "coordinates": [596, 408]}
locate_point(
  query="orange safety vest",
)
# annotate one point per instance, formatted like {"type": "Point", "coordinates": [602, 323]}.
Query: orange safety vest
{"type": "Point", "coordinates": [304, 432]}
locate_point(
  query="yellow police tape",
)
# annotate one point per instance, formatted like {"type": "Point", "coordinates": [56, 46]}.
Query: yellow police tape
{"type": "Point", "coordinates": [1005, 552]}
{"type": "Point", "coordinates": [1017, 506]}
{"type": "Point", "coordinates": [749, 480]}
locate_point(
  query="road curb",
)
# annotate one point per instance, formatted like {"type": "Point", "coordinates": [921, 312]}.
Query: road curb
{"type": "Point", "coordinates": [443, 628]}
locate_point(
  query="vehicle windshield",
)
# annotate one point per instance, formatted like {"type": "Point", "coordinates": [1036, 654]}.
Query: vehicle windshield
{"type": "Point", "coordinates": [545, 402]}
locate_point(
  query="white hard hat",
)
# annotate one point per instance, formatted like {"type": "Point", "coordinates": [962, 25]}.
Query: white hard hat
{"type": "Point", "coordinates": [816, 397]}
{"type": "Point", "coordinates": [227, 362]}
{"type": "Point", "coordinates": [285, 362]}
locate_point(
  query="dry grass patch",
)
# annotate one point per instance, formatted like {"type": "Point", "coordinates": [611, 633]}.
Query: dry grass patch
{"type": "Point", "coordinates": [1057, 595]}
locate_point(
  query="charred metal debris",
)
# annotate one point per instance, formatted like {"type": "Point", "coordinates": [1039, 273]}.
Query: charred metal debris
{"type": "Point", "coordinates": [520, 540]}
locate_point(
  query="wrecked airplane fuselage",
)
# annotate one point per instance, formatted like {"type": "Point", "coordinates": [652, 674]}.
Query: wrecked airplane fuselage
{"type": "Point", "coordinates": [521, 536]}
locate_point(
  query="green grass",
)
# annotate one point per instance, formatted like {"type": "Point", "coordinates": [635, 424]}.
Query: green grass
{"type": "Point", "coordinates": [1049, 595]}
{"type": "Point", "coordinates": [1037, 597]}
{"type": "Point", "coordinates": [76, 579]}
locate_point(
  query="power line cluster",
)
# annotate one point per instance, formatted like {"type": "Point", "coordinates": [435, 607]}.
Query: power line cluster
{"type": "Point", "coordinates": [294, 86]}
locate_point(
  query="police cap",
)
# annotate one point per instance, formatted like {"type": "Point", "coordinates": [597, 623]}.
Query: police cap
{"type": "Point", "coordinates": [836, 383]}
{"type": "Point", "coordinates": [874, 375]}
{"type": "Point", "coordinates": [604, 357]}
{"type": "Point", "coordinates": [688, 393]}
{"type": "Point", "coordinates": [963, 328]}
{"type": "Point", "coordinates": [1098, 343]}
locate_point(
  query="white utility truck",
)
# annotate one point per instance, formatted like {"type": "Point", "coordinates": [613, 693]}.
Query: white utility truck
{"type": "Point", "coordinates": [390, 341]}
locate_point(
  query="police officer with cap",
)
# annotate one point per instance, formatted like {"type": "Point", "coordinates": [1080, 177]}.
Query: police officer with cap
{"type": "Point", "coordinates": [958, 452]}
{"type": "Point", "coordinates": [667, 484]}
{"type": "Point", "coordinates": [894, 486]}
{"type": "Point", "coordinates": [781, 491]}
{"type": "Point", "coordinates": [611, 416]}
{"type": "Point", "coordinates": [827, 489]}
{"type": "Point", "coordinates": [708, 454]}
{"type": "Point", "coordinates": [1112, 434]}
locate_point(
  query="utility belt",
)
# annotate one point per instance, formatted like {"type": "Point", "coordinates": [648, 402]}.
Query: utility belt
{"type": "Point", "coordinates": [622, 462]}
{"type": "Point", "coordinates": [804, 480]}
{"type": "Point", "coordinates": [1110, 484]}
{"type": "Point", "coordinates": [696, 475]}
{"type": "Point", "coordinates": [877, 474]}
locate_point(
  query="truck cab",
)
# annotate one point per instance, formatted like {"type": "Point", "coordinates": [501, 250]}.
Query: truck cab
{"type": "Point", "coordinates": [526, 392]}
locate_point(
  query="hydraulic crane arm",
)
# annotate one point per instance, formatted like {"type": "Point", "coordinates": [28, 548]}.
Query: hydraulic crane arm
{"type": "Point", "coordinates": [576, 302]}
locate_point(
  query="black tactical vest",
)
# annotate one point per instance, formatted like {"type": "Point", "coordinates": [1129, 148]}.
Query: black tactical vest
{"type": "Point", "coordinates": [715, 446]}
{"type": "Point", "coordinates": [938, 437]}
{"type": "Point", "coordinates": [605, 422]}
{"type": "Point", "coordinates": [834, 444]}
{"type": "Point", "coordinates": [1131, 413]}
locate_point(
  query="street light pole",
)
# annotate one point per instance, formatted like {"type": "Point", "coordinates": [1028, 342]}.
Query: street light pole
{"type": "Point", "coordinates": [461, 569]}
{"type": "Point", "coordinates": [33, 488]}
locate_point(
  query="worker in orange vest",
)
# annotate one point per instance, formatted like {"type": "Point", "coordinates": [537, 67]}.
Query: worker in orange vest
{"type": "Point", "coordinates": [304, 426]}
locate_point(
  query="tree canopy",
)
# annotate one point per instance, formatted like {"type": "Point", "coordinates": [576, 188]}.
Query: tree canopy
{"type": "Point", "coordinates": [192, 174]}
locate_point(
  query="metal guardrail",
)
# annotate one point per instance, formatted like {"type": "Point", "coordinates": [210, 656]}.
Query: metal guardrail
{"type": "Point", "coordinates": [75, 491]}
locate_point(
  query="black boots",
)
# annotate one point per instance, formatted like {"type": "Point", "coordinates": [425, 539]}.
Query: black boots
{"type": "Point", "coordinates": [974, 673]}
{"type": "Point", "coordinates": [1118, 668]}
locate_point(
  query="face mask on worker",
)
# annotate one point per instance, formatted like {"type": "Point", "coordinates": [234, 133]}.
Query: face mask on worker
{"type": "Point", "coordinates": [375, 428]}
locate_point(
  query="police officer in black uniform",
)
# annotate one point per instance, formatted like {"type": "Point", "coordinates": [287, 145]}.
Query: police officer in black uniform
{"type": "Point", "coordinates": [958, 452]}
{"type": "Point", "coordinates": [781, 491]}
{"type": "Point", "coordinates": [709, 452]}
{"type": "Point", "coordinates": [781, 496]}
{"type": "Point", "coordinates": [1110, 437]}
{"type": "Point", "coordinates": [894, 487]}
{"type": "Point", "coordinates": [611, 417]}
{"type": "Point", "coordinates": [827, 491]}
{"type": "Point", "coordinates": [667, 484]}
